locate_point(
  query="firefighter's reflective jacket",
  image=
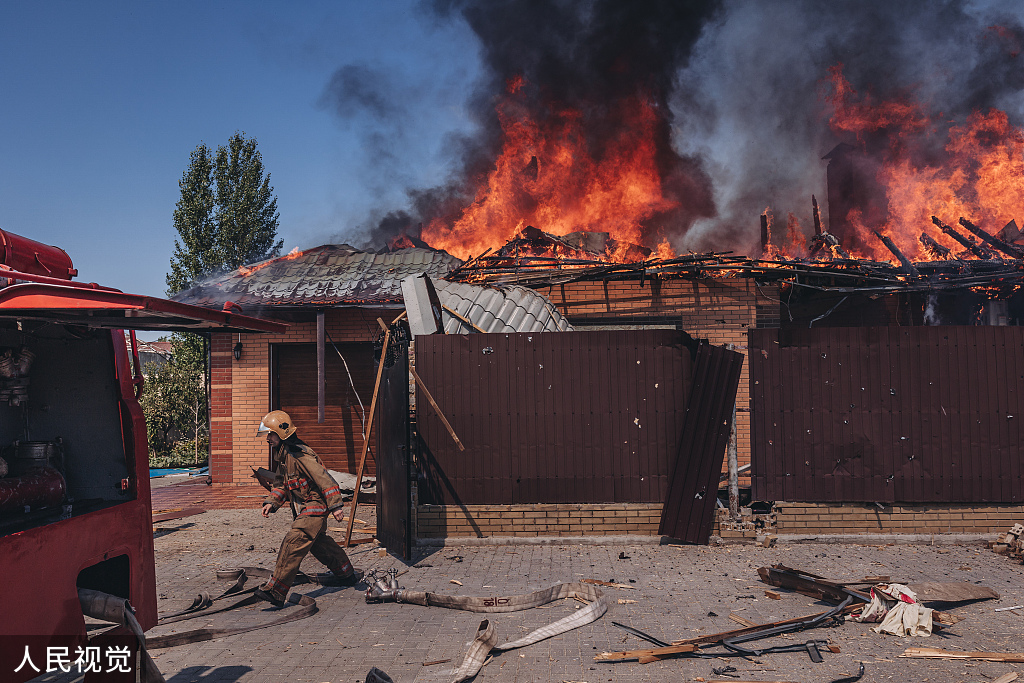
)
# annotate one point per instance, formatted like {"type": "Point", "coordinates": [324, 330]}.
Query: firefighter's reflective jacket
{"type": "Point", "coordinates": [301, 477]}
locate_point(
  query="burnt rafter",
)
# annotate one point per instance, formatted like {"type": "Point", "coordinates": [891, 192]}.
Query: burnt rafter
{"type": "Point", "coordinates": [967, 243]}
{"type": "Point", "coordinates": [839, 275]}
{"type": "Point", "coordinates": [907, 266]}
{"type": "Point", "coordinates": [935, 249]}
{"type": "Point", "coordinates": [1005, 247]}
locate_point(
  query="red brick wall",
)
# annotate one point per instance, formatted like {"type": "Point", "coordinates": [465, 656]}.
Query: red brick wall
{"type": "Point", "coordinates": [240, 390]}
{"type": "Point", "coordinates": [220, 408]}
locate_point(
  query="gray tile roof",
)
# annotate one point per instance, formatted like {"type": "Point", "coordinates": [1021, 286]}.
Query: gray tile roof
{"type": "Point", "coordinates": [327, 275]}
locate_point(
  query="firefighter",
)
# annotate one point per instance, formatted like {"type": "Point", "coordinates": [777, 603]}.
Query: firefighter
{"type": "Point", "coordinates": [301, 480]}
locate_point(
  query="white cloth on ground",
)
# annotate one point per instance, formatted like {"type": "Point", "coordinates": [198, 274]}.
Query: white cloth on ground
{"type": "Point", "coordinates": [898, 610]}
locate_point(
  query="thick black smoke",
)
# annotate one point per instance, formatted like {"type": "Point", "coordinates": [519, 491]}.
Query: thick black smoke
{"type": "Point", "coordinates": [585, 55]}
{"type": "Point", "coordinates": [741, 86]}
{"type": "Point", "coordinates": [752, 102]}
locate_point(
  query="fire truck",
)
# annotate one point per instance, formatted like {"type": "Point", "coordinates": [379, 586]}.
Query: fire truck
{"type": "Point", "coordinates": [75, 509]}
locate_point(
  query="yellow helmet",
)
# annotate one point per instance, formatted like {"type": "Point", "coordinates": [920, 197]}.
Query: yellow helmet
{"type": "Point", "coordinates": [277, 421]}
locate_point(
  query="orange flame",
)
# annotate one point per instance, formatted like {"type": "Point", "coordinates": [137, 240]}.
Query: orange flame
{"type": "Point", "coordinates": [548, 176]}
{"type": "Point", "coordinates": [927, 166]}
{"type": "Point", "coordinates": [249, 270]}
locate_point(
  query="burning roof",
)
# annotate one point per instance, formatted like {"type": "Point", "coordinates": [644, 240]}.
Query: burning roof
{"type": "Point", "coordinates": [329, 275]}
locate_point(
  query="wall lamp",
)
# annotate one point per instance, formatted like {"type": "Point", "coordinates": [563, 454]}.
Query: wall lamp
{"type": "Point", "coordinates": [237, 351]}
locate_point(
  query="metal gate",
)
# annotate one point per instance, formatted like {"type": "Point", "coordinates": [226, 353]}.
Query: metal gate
{"type": "Point", "coordinates": [394, 518]}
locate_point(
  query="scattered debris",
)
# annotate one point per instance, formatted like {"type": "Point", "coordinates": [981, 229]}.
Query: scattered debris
{"type": "Point", "coordinates": [610, 584]}
{"type": "Point", "coordinates": [436, 661]}
{"type": "Point", "coordinates": [456, 582]}
{"type": "Point", "coordinates": [935, 653]}
{"type": "Point", "coordinates": [1011, 543]}
{"type": "Point", "coordinates": [625, 602]}
{"type": "Point", "coordinates": [899, 611]}
{"type": "Point", "coordinates": [774, 595]}
{"type": "Point", "coordinates": [1007, 609]}
{"type": "Point", "coordinates": [821, 588]}
{"type": "Point", "coordinates": [623, 556]}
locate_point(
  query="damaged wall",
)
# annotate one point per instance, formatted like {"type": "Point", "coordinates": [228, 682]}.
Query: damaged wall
{"type": "Point", "coordinates": [889, 414]}
{"type": "Point", "coordinates": [719, 310]}
{"type": "Point", "coordinates": [572, 417]}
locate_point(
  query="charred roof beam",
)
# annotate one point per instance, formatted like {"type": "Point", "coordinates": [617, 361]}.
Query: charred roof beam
{"type": "Point", "coordinates": [906, 266]}
{"type": "Point", "coordinates": [967, 243]}
{"type": "Point", "coordinates": [1005, 247]}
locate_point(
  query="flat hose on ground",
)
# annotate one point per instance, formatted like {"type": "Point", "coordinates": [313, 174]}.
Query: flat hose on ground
{"type": "Point", "coordinates": [486, 637]}
{"type": "Point", "coordinates": [307, 607]}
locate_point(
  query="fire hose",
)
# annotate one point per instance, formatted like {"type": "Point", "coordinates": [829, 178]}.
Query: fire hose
{"type": "Point", "coordinates": [117, 610]}
{"type": "Point", "coordinates": [112, 608]}
{"type": "Point", "coordinates": [307, 607]}
{"type": "Point", "coordinates": [383, 588]}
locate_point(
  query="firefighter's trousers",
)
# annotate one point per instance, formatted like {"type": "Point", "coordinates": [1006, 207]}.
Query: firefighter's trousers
{"type": "Point", "coordinates": [307, 535]}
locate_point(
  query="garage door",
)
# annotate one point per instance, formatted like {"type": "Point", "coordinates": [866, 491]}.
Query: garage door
{"type": "Point", "coordinates": [338, 441]}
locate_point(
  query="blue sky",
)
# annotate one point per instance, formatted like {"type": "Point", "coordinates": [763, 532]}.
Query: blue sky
{"type": "Point", "coordinates": [102, 102]}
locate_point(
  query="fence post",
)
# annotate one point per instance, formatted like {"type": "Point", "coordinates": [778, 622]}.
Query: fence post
{"type": "Point", "coordinates": [734, 473]}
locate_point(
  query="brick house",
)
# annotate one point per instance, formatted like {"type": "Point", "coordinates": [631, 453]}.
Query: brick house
{"type": "Point", "coordinates": [331, 297]}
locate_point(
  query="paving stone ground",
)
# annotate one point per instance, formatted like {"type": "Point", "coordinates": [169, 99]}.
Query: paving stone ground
{"type": "Point", "coordinates": [680, 592]}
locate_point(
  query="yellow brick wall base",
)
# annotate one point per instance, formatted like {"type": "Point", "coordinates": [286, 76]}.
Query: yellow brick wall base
{"type": "Point", "coordinates": [563, 519]}
{"type": "Point", "coordinates": [867, 518]}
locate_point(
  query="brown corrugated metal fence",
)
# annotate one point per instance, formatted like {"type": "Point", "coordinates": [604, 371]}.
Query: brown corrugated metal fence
{"type": "Point", "coordinates": [888, 414]}
{"type": "Point", "coordinates": [689, 511]}
{"type": "Point", "coordinates": [577, 417]}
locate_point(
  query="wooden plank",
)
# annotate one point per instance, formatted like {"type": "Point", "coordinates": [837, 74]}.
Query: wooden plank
{"type": "Point", "coordinates": [369, 430]}
{"type": "Point", "coordinates": [430, 399]}
{"type": "Point", "coordinates": [608, 583]}
{"type": "Point", "coordinates": [742, 620]}
{"type": "Point", "coordinates": [936, 653]}
{"type": "Point", "coordinates": [637, 654]}
{"type": "Point", "coordinates": [952, 592]}
{"type": "Point", "coordinates": [178, 514]}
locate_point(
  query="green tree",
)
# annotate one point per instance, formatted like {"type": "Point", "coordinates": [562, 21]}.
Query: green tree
{"type": "Point", "coordinates": [246, 214]}
{"type": "Point", "coordinates": [195, 255]}
{"type": "Point", "coordinates": [174, 402]}
{"type": "Point", "coordinates": [226, 216]}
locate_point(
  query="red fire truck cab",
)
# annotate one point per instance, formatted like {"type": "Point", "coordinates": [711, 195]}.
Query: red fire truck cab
{"type": "Point", "coordinates": [75, 508]}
